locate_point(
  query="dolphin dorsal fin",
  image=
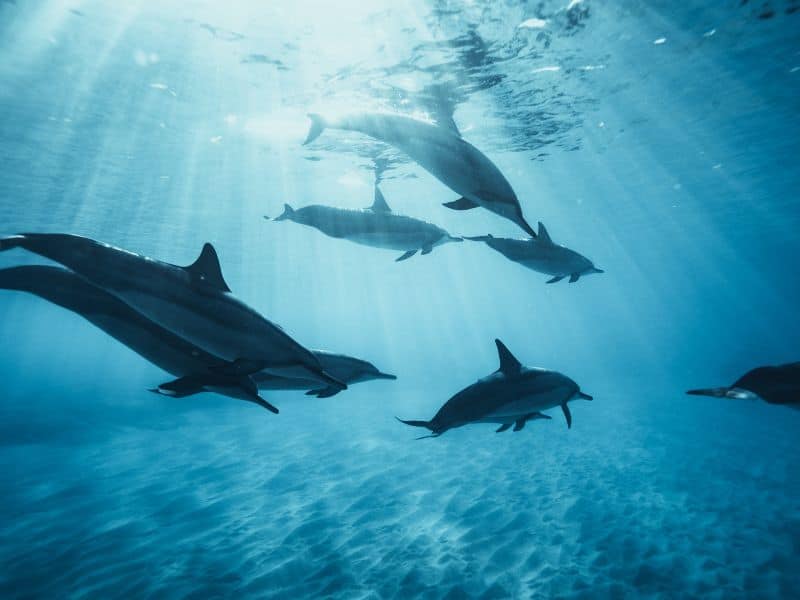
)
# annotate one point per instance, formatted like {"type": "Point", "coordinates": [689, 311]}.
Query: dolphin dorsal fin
{"type": "Point", "coordinates": [207, 269]}
{"type": "Point", "coordinates": [508, 362]}
{"type": "Point", "coordinates": [379, 204]}
{"type": "Point", "coordinates": [543, 235]}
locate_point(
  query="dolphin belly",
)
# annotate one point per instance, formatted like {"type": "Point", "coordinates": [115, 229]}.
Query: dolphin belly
{"type": "Point", "coordinates": [530, 403]}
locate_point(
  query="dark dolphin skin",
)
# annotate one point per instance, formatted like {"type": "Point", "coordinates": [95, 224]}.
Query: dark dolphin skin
{"type": "Point", "coordinates": [443, 153]}
{"type": "Point", "coordinates": [542, 255]}
{"type": "Point", "coordinates": [775, 385]}
{"type": "Point", "coordinates": [192, 302]}
{"type": "Point", "coordinates": [162, 347]}
{"type": "Point", "coordinates": [512, 394]}
{"type": "Point", "coordinates": [376, 226]}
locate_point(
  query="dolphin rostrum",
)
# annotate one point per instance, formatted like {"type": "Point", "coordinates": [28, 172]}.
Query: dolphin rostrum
{"type": "Point", "coordinates": [512, 394]}
{"type": "Point", "coordinates": [165, 349]}
{"type": "Point", "coordinates": [192, 302]}
{"type": "Point", "coordinates": [775, 385]}
{"type": "Point", "coordinates": [542, 255]}
{"type": "Point", "coordinates": [442, 152]}
{"type": "Point", "coordinates": [375, 226]}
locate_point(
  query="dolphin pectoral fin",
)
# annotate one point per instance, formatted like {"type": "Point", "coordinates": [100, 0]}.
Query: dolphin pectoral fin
{"type": "Point", "coordinates": [520, 424]}
{"type": "Point", "coordinates": [317, 127]}
{"type": "Point", "coordinates": [461, 204]}
{"type": "Point", "coordinates": [426, 250]}
{"type": "Point", "coordinates": [406, 255]}
{"type": "Point", "coordinates": [574, 277]}
{"type": "Point", "coordinates": [238, 368]}
{"type": "Point", "coordinates": [502, 427]}
{"type": "Point", "coordinates": [181, 387]}
{"type": "Point", "coordinates": [325, 392]}
{"type": "Point", "coordinates": [556, 279]}
{"type": "Point", "coordinates": [567, 415]}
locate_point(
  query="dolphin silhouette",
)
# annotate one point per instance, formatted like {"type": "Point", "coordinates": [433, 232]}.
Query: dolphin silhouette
{"type": "Point", "coordinates": [512, 394]}
{"type": "Point", "coordinates": [775, 385]}
{"type": "Point", "coordinates": [542, 255]}
{"type": "Point", "coordinates": [443, 153]}
{"type": "Point", "coordinates": [375, 226]}
{"type": "Point", "coordinates": [192, 302]}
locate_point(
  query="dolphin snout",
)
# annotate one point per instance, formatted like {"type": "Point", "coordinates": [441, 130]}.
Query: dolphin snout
{"type": "Point", "coordinates": [380, 375]}
{"type": "Point", "coordinates": [596, 270]}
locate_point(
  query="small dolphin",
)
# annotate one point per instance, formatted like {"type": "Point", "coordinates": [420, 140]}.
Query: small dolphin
{"type": "Point", "coordinates": [442, 152]}
{"type": "Point", "coordinates": [375, 226]}
{"type": "Point", "coordinates": [775, 385]}
{"type": "Point", "coordinates": [542, 255]}
{"type": "Point", "coordinates": [166, 350]}
{"type": "Point", "coordinates": [512, 394]}
{"type": "Point", "coordinates": [192, 302]}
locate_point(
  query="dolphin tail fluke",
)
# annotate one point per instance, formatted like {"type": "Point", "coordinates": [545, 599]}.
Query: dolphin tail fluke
{"type": "Point", "coordinates": [527, 228]}
{"type": "Point", "coordinates": [317, 127]}
{"type": "Point", "coordinates": [12, 241]}
{"type": "Point", "coordinates": [325, 392]}
{"type": "Point", "coordinates": [719, 392]}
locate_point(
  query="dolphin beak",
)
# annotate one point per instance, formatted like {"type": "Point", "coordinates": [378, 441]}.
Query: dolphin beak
{"type": "Point", "coordinates": [380, 375]}
{"type": "Point", "coordinates": [714, 392]}
{"type": "Point", "coordinates": [596, 270]}
{"type": "Point", "coordinates": [455, 238]}
{"type": "Point", "coordinates": [583, 396]}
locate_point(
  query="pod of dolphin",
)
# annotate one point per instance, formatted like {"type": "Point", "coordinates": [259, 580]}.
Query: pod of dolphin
{"type": "Point", "coordinates": [186, 321]}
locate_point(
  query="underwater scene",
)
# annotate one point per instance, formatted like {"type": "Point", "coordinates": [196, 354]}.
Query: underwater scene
{"type": "Point", "coordinates": [429, 299]}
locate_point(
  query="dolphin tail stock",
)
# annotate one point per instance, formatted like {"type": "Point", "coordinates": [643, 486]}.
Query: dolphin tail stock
{"type": "Point", "coordinates": [318, 125]}
{"type": "Point", "coordinates": [719, 392]}
{"type": "Point", "coordinates": [527, 228]}
{"type": "Point", "coordinates": [479, 238]}
{"type": "Point", "coordinates": [288, 213]}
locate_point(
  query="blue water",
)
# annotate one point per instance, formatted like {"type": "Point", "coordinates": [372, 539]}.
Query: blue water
{"type": "Point", "coordinates": [658, 138]}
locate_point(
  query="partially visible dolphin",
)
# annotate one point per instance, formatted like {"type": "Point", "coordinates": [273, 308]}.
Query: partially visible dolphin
{"type": "Point", "coordinates": [775, 385]}
{"type": "Point", "coordinates": [375, 226]}
{"type": "Point", "coordinates": [192, 302]}
{"type": "Point", "coordinates": [512, 394]}
{"type": "Point", "coordinates": [442, 152]}
{"type": "Point", "coordinates": [542, 255]}
{"type": "Point", "coordinates": [165, 349]}
{"type": "Point", "coordinates": [345, 368]}
{"type": "Point", "coordinates": [194, 367]}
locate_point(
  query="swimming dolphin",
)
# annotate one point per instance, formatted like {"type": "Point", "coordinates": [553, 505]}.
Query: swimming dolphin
{"type": "Point", "coordinates": [375, 226]}
{"type": "Point", "coordinates": [442, 152]}
{"type": "Point", "coordinates": [512, 394]}
{"type": "Point", "coordinates": [165, 349]}
{"type": "Point", "coordinates": [193, 302]}
{"type": "Point", "coordinates": [345, 368]}
{"type": "Point", "coordinates": [194, 368]}
{"type": "Point", "coordinates": [775, 385]}
{"type": "Point", "coordinates": [542, 255]}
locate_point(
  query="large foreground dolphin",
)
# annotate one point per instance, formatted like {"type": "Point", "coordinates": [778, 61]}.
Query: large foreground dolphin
{"type": "Point", "coordinates": [775, 385]}
{"type": "Point", "coordinates": [192, 302]}
{"type": "Point", "coordinates": [375, 226]}
{"type": "Point", "coordinates": [196, 369]}
{"type": "Point", "coordinates": [166, 350]}
{"type": "Point", "coordinates": [542, 255]}
{"type": "Point", "coordinates": [512, 394]}
{"type": "Point", "coordinates": [441, 151]}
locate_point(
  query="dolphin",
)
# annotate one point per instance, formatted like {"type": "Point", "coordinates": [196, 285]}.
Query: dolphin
{"type": "Point", "coordinates": [512, 394]}
{"type": "Point", "coordinates": [375, 226]}
{"type": "Point", "coordinates": [166, 350]}
{"type": "Point", "coordinates": [194, 368]}
{"type": "Point", "coordinates": [345, 368]}
{"type": "Point", "coordinates": [542, 255]}
{"type": "Point", "coordinates": [442, 152]}
{"type": "Point", "coordinates": [193, 302]}
{"type": "Point", "coordinates": [775, 385]}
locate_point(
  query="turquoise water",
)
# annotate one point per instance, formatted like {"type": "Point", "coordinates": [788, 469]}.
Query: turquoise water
{"type": "Point", "coordinates": [660, 140]}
